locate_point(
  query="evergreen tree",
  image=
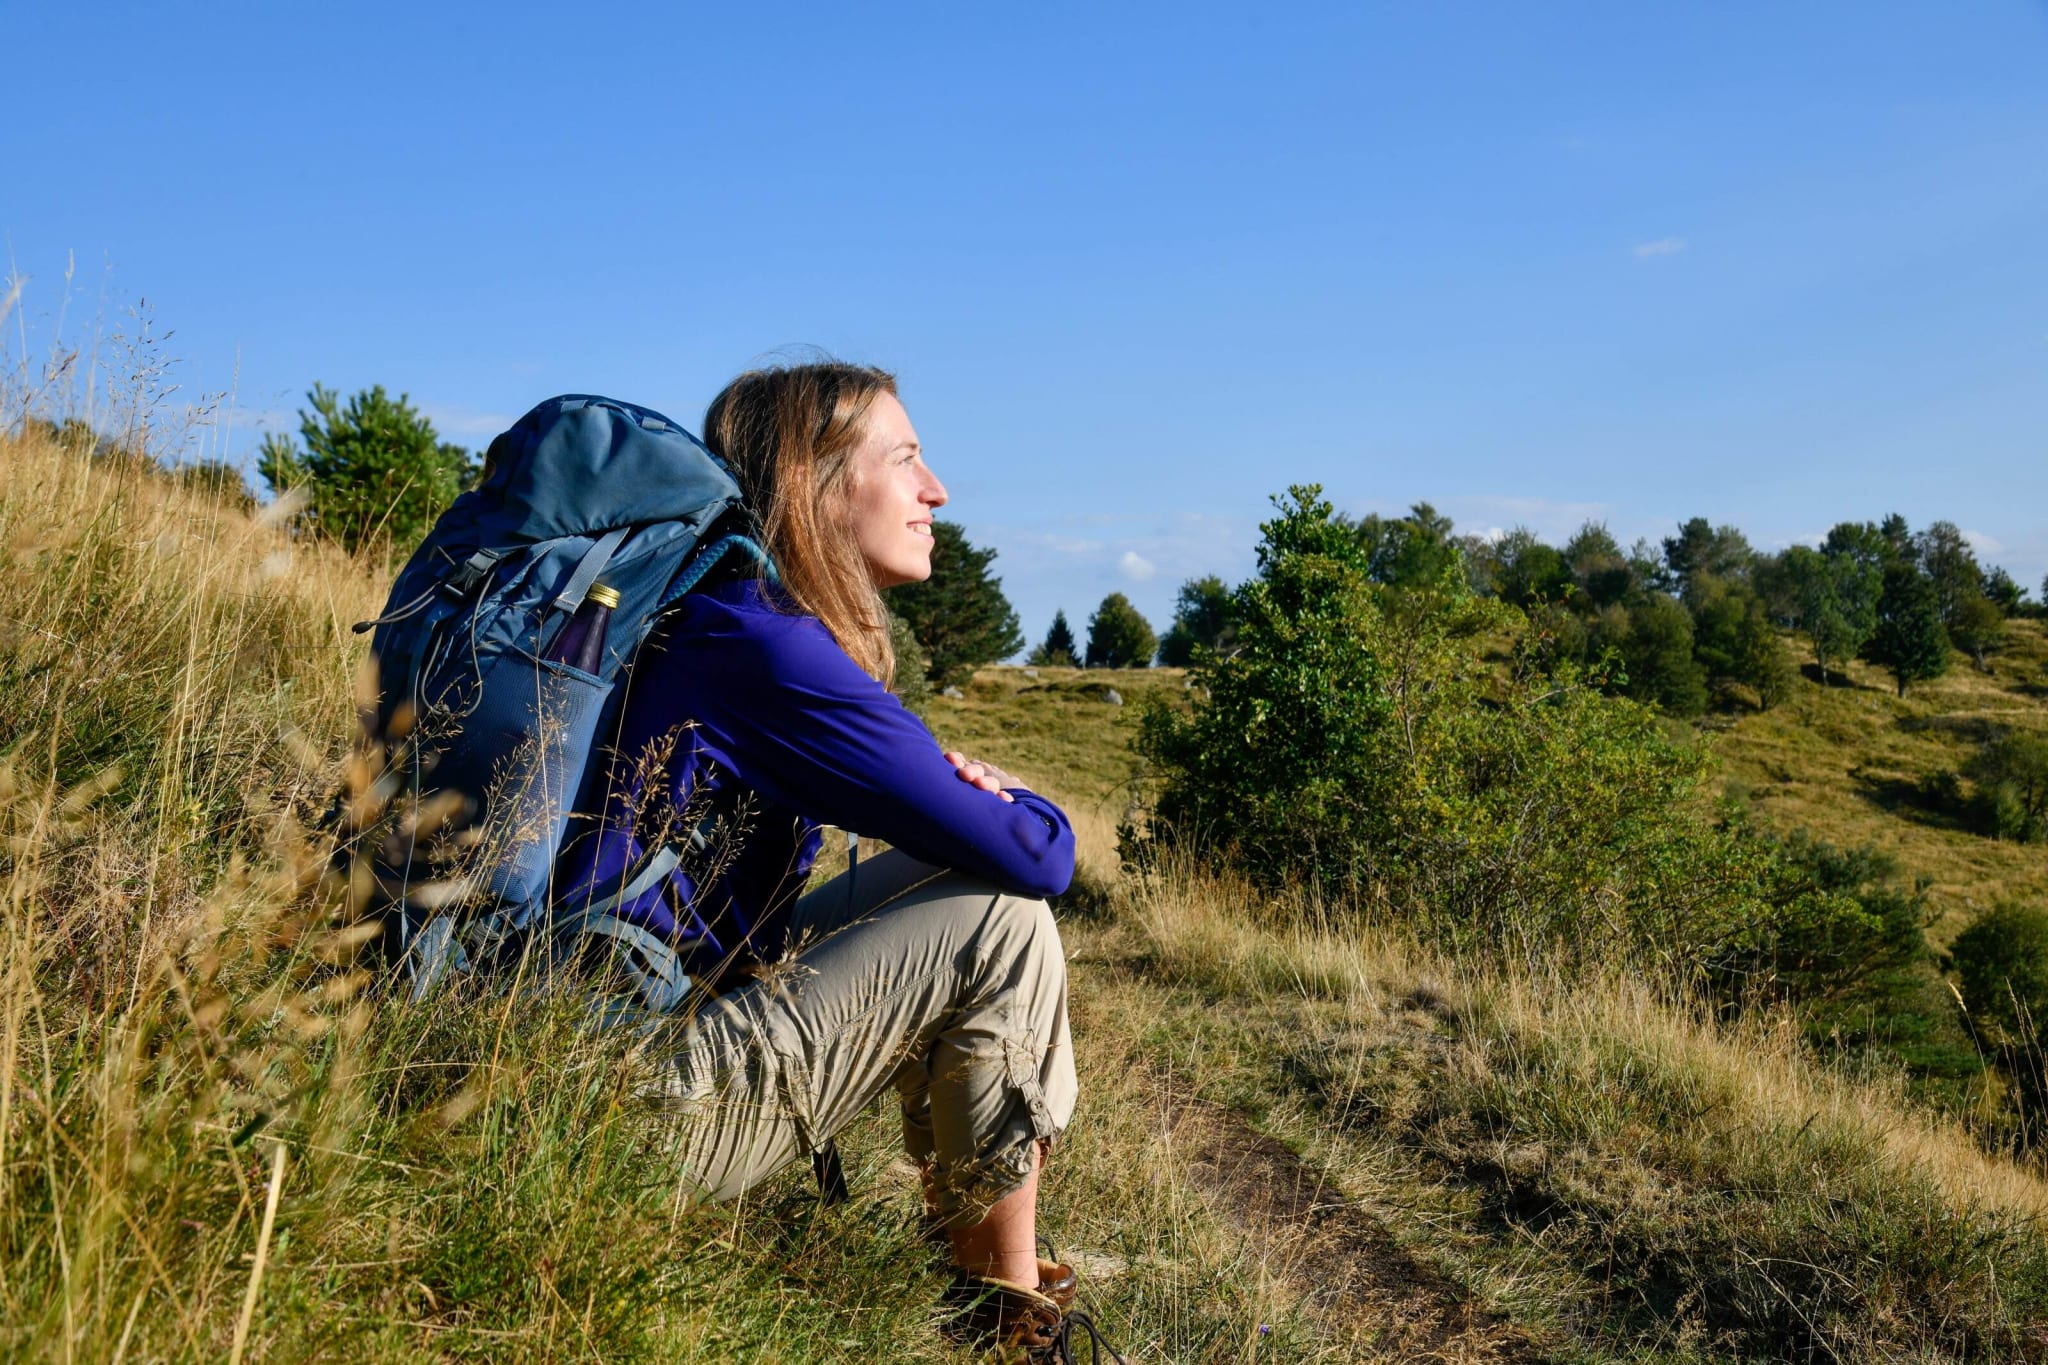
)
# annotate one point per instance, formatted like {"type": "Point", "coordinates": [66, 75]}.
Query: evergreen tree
{"type": "Point", "coordinates": [1898, 538]}
{"type": "Point", "coordinates": [1201, 616]}
{"type": "Point", "coordinates": [1118, 637]}
{"type": "Point", "coordinates": [216, 479]}
{"type": "Point", "coordinates": [1058, 649]}
{"type": "Point", "coordinates": [1735, 642]}
{"type": "Point", "coordinates": [1908, 639]}
{"type": "Point", "coordinates": [1717, 612]}
{"type": "Point", "coordinates": [373, 471]}
{"type": "Point", "coordinates": [959, 614]}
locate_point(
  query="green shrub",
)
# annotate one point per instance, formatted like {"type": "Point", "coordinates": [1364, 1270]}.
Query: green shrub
{"type": "Point", "coordinates": [2001, 963]}
{"type": "Point", "coordinates": [2001, 966]}
{"type": "Point", "coordinates": [1360, 741]}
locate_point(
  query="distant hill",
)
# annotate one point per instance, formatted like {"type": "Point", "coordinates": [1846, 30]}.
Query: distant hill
{"type": "Point", "coordinates": [1855, 764]}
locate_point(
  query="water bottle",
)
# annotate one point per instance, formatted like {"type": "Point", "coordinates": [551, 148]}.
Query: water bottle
{"type": "Point", "coordinates": [581, 643]}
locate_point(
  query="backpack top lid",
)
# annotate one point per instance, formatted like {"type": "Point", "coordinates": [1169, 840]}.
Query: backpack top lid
{"type": "Point", "coordinates": [579, 465]}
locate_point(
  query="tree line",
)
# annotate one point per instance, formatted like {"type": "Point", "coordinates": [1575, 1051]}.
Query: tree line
{"type": "Point", "coordinates": [1695, 620]}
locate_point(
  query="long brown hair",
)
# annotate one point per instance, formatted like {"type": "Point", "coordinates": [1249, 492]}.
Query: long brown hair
{"type": "Point", "coordinates": [789, 432]}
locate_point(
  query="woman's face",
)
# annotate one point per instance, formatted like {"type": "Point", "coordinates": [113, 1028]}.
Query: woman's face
{"type": "Point", "coordinates": [891, 496]}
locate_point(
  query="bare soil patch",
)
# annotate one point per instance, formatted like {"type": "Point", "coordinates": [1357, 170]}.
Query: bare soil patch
{"type": "Point", "coordinates": [1357, 1279]}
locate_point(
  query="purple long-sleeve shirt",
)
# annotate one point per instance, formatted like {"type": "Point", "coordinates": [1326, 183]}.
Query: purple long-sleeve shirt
{"type": "Point", "coordinates": [770, 717]}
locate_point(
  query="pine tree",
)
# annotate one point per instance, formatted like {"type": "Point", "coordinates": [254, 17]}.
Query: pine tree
{"type": "Point", "coordinates": [1909, 639]}
{"type": "Point", "coordinates": [373, 471]}
{"type": "Point", "coordinates": [1118, 637]}
{"type": "Point", "coordinates": [959, 614]}
{"type": "Point", "coordinates": [1058, 649]}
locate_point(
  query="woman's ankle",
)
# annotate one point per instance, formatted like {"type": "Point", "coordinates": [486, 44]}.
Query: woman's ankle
{"type": "Point", "coordinates": [1003, 1245]}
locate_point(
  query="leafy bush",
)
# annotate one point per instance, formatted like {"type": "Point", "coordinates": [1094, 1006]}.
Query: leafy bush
{"type": "Point", "coordinates": [2001, 965]}
{"type": "Point", "coordinates": [1359, 741]}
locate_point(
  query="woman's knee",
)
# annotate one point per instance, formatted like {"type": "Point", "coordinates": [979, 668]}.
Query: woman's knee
{"type": "Point", "coordinates": [1021, 938]}
{"type": "Point", "coordinates": [1024, 922]}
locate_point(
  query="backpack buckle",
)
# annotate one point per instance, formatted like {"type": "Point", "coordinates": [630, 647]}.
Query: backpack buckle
{"type": "Point", "coordinates": [465, 580]}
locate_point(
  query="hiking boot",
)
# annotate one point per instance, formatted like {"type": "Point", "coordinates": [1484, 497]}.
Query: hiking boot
{"type": "Point", "coordinates": [1022, 1325]}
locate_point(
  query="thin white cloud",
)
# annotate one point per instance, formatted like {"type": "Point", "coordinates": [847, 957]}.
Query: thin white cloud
{"type": "Point", "coordinates": [1983, 544]}
{"type": "Point", "coordinates": [1136, 567]}
{"type": "Point", "coordinates": [1663, 246]}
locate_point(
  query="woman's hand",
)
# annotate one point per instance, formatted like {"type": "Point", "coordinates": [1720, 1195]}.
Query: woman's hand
{"type": "Point", "coordinates": [986, 776]}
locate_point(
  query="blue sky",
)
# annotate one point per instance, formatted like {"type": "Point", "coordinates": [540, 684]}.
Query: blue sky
{"type": "Point", "coordinates": [1139, 266]}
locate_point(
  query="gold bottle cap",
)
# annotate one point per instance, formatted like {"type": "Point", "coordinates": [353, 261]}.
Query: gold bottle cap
{"type": "Point", "coordinates": [605, 595]}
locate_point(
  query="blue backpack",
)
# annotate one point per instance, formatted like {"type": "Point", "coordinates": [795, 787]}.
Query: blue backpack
{"type": "Point", "coordinates": [487, 741]}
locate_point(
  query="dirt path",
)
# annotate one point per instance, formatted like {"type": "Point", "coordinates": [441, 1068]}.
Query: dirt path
{"type": "Point", "coordinates": [1358, 1280]}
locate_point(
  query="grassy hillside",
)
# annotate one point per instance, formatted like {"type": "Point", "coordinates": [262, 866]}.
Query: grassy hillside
{"type": "Point", "coordinates": [1848, 761]}
{"type": "Point", "coordinates": [1298, 1141]}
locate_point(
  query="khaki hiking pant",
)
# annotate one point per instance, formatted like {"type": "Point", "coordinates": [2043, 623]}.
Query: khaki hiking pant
{"type": "Point", "coordinates": [900, 974]}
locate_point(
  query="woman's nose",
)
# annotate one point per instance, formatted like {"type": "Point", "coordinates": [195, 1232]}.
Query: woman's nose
{"type": "Point", "coordinates": [934, 493]}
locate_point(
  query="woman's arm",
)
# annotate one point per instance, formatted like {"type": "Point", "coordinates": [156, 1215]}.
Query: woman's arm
{"type": "Point", "coordinates": [801, 723]}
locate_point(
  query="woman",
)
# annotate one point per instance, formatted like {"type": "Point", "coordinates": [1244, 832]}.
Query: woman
{"type": "Point", "coordinates": [935, 967]}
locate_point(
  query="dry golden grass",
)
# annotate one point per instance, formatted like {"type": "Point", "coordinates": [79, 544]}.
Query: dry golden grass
{"type": "Point", "coordinates": [1838, 761]}
{"type": "Point", "coordinates": [1508, 1127]}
